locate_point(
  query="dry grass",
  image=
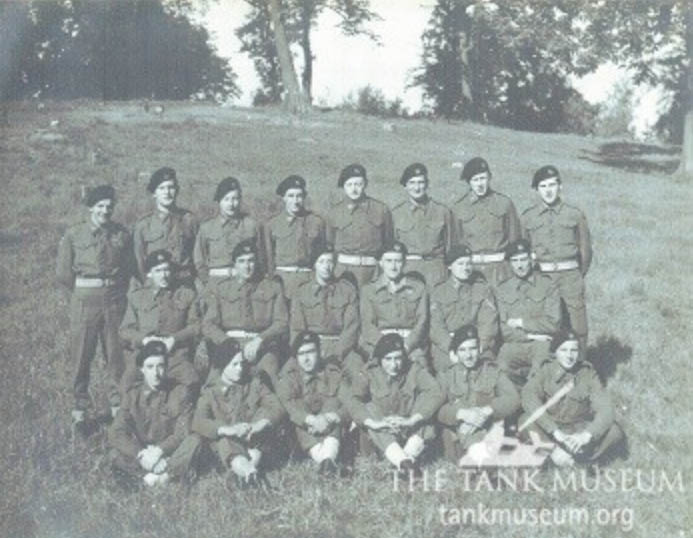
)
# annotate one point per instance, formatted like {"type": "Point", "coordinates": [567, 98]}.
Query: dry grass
{"type": "Point", "coordinates": [638, 293]}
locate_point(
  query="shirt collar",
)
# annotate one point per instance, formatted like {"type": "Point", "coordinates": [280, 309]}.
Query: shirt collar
{"type": "Point", "coordinates": [555, 208]}
{"type": "Point", "coordinates": [392, 287]}
{"type": "Point", "coordinates": [422, 205]}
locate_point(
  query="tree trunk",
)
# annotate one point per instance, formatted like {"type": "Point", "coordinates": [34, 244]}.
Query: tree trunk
{"type": "Point", "coordinates": [686, 167]}
{"type": "Point", "coordinates": [306, 19]}
{"type": "Point", "coordinates": [294, 99]}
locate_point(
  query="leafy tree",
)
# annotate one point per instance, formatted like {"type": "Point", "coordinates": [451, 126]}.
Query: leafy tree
{"type": "Point", "coordinates": [504, 63]}
{"type": "Point", "coordinates": [112, 49]}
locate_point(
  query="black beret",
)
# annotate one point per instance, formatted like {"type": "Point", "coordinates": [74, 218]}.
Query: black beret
{"type": "Point", "coordinates": [474, 166]}
{"type": "Point", "coordinates": [392, 246]}
{"type": "Point", "coordinates": [560, 337]}
{"type": "Point", "coordinates": [161, 175]}
{"type": "Point", "coordinates": [156, 258]}
{"type": "Point", "coordinates": [304, 337]}
{"type": "Point", "coordinates": [320, 247]}
{"type": "Point", "coordinates": [95, 195]}
{"type": "Point", "coordinates": [457, 251]}
{"type": "Point", "coordinates": [291, 182]}
{"type": "Point", "coordinates": [225, 186]}
{"type": "Point", "coordinates": [353, 170]}
{"type": "Point", "coordinates": [466, 332]}
{"type": "Point", "coordinates": [545, 172]}
{"type": "Point", "coordinates": [413, 170]}
{"type": "Point", "coordinates": [387, 344]}
{"type": "Point", "coordinates": [520, 246]}
{"type": "Point", "coordinates": [247, 246]}
{"type": "Point", "coordinates": [221, 354]}
{"type": "Point", "coordinates": [150, 349]}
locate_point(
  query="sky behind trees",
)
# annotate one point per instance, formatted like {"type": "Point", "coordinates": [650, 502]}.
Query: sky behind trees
{"type": "Point", "coordinates": [345, 64]}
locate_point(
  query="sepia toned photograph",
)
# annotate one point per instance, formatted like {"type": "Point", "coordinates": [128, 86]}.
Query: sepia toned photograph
{"type": "Point", "coordinates": [346, 268]}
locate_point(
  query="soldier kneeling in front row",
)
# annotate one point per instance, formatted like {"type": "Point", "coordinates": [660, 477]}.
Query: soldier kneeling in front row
{"type": "Point", "coordinates": [150, 437]}
{"type": "Point", "coordinates": [570, 405]}
{"type": "Point", "coordinates": [477, 394]}
{"type": "Point", "coordinates": [237, 413]}
{"type": "Point", "coordinates": [395, 399]}
{"type": "Point", "coordinates": [309, 388]}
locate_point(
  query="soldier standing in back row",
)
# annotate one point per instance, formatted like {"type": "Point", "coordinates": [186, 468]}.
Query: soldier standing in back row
{"type": "Point", "coordinates": [425, 226]}
{"type": "Point", "coordinates": [219, 235]}
{"type": "Point", "coordinates": [167, 228]}
{"type": "Point", "coordinates": [487, 220]}
{"type": "Point", "coordinates": [358, 226]}
{"type": "Point", "coordinates": [289, 236]}
{"type": "Point", "coordinates": [561, 243]}
{"type": "Point", "coordinates": [95, 262]}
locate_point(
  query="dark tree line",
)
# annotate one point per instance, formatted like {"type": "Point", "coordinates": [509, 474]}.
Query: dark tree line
{"type": "Point", "coordinates": [107, 49]}
{"type": "Point", "coordinates": [509, 62]}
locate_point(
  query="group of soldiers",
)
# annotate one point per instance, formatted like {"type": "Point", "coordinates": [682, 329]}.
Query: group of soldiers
{"type": "Point", "coordinates": [394, 327]}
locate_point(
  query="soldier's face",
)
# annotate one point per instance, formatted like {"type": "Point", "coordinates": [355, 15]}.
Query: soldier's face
{"type": "Point", "coordinates": [480, 183]}
{"type": "Point", "coordinates": [165, 193]}
{"type": "Point", "coordinates": [462, 268]}
{"type": "Point", "coordinates": [392, 363]}
{"type": "Point", "coordinates": [392, 264]}
{"type": "Point", "coordinates": [416, 187]}
{"type": "Point", "coordinates": [549, 190]}
{"type": "Point", "coordinates": [324, 266]}
{"type": "Point", "coordinates": [567, 354]}
{"type": "Point", "coordinates": [161, 275]}
{"type": "Point", "coordinates": [293, 201]}
{"type": "Point", "coordinates": [468, 352]}
{"type": "Point", "coordinates": [153, 370]}
{"type": "Point", "coordinates": [245, 266]}
{"type": "Point", "coordinates": [235, 369]}
{"type": "Point", "coordinates": [521, 264]}
{"type": "Point", "coordinates": [230, 204]}
{"type": "Point", "coordinates": [354, 187]}
{"type": "Point", "coordinates": [102, 211]}
{"type": "Point", "coordinates": [307, 357]}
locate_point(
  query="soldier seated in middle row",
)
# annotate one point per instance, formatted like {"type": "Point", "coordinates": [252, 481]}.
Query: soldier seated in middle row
{"type": "Point", "coordinates": [329, 306]}
{"type": "Point", "coordinates": [464, 298]}
{"type": "Point", "coordinates": [529, 312]}
{"type": "Point", "coordinates": [396, 303]}
{"type": "Point", "coordinates": [167, 311]}
{"type": "Point", "coordinates": [251, 309]}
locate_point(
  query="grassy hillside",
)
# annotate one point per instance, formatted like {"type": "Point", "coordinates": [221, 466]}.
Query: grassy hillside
{"type": "Point", "coordinates": [639, 307]}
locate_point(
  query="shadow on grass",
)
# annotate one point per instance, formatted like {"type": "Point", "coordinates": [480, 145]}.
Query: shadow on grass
{"type": "Point", "coordinates": [634, 157]}
{"type": "Point", "coordinates": [607, 354]}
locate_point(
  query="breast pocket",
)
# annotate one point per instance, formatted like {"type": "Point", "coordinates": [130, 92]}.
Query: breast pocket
{"type": "Point", "coordinates": [577, 405]}
{"type": "Point", "coordinates": [410, 303]}
{"type": "Point", "coordinates": [153, 239]}
{"type": "Point", "coordinates": [262, 309]}
{"type": "Point", "coordinates": [232, 312]}
{"type": "Point", "coordinates": [85, 250]}
{"type": "Point", "coordinates": [565, 232]}
{"type": "Point", "coordinates": [382, 400]}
